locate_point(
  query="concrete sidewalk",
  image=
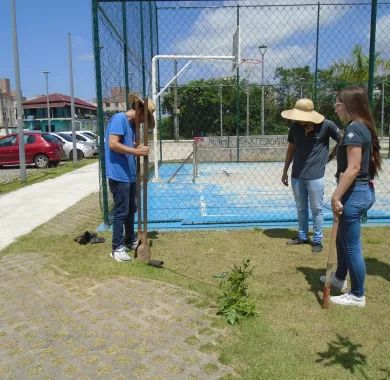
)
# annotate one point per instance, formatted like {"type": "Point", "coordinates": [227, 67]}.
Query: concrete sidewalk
{"type": "Point", "coordinates": [27, 208]}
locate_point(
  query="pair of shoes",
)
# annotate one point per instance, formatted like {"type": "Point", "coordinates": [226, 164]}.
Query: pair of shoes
{"type": "Point", "coordinates": [335, 282]}
{"type": "Point", "coordinates": [348, 299]}
{"type": "Point", "coordinates": [85, 237]}
{"type": "Point", "coordinates": [316, 247]}
{"type": "Point", "coordinates": [120, 254]}
{"type": "Point", "coordinates": [89, 237]}
{"type": "Point", "coordinates": [297, 240]}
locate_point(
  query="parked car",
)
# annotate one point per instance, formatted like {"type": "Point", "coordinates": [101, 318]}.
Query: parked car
{"type": "Point", "coordinates": [41, 149]}
{"type": "Point", "coordinates": [90, 134]}
{"type": "Point", "coordinates": [83, 150]}
{"type": "Point", "coordinates": [82, 139]}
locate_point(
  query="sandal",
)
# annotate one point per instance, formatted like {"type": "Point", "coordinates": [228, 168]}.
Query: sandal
{"type": "Point", "coordinates": [97, 239]}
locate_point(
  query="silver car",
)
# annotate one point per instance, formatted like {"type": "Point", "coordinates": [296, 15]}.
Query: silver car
{"type": "Point", "coordinates": [83, 150]}
{"type": "Point", "coordinates": [82, 139]}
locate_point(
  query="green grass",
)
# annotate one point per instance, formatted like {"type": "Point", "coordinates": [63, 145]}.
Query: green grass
{"type": "Point", "coordinates": [292, 337]}
{"type": "Point", "coordinates": [44, 174]}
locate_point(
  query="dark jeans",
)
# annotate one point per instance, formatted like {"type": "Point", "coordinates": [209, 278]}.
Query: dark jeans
{"type": "Point", "coordinates": [125, 207]}
{"type": "Point", "coordinates": [356, 201]}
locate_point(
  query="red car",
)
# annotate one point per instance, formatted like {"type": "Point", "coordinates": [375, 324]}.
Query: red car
{"type": "Point", "coordinates": [42, 149]}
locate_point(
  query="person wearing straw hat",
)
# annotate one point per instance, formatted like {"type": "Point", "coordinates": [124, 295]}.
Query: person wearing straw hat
{"type": "Point", "coordinates": [120, 158]}
{"type": "Point", "coordinates": [308, 150]}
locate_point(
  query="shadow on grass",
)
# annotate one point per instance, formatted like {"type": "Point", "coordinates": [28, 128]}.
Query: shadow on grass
{"type": "Point", "coordinates": [378, 268]}
{"type": "Point", "coordinates": [312, 276]}
{"type": "Point", "coordinates": [280, 233]}
{"type": "Point", "coordinates": [345, 353]}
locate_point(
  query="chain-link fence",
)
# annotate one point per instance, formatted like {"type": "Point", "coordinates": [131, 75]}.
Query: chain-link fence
{"type": "Point", "coordinates": [220, 146]}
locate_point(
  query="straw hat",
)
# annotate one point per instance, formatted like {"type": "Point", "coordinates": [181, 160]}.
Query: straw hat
{"type": "Point", "coordinates": [132, 98]}
{"type": "Point", "coordinates": [303, 111]}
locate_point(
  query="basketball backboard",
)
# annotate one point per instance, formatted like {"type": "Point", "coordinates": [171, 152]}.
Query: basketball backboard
{"type": "Point", "coordinates": [236, 48]}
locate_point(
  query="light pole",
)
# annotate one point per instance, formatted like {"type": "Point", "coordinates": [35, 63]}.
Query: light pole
{"type": "Point", "coordinates": [247, 111]}
{"type": "Point", "coordinates": [47, 100]}
{"type": "Point", "coordinates": [383, 108]}
{"type": "Point", "coordinates": [301, 83]}
{"type": "Point", "coordinates": [220, 109]}
{"type": "Point", "coordinates": [3, 112]}
{"type": "Point", "coordinates": [381, 93]}
{"type": "Point", "coordinates": [262, 49]}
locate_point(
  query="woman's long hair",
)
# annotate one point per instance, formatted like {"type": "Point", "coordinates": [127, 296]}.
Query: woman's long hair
{"type": "Point", "coordinates": [356, 104]}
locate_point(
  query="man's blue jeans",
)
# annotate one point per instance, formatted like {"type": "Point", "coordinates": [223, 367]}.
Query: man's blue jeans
{"type": "Point", "coordinates": [309, 191]}
{"type": "Point", "coordinates": [123, 212]}
{"type": "Point", "coordinates": [356, 201]}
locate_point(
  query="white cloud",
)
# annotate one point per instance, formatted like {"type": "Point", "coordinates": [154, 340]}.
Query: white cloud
{"type": "Point", "coordinates": [289, 33]}
{"type": "Point", "coordinates": [86, 57]}
{"type": "Point", "coordinates": [382, 37]}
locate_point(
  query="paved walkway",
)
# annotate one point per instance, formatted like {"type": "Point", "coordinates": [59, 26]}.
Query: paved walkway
{"type": "Point", "coordinates": [27, 208]}
{"type": "Point", "coordinates": [53, 326]}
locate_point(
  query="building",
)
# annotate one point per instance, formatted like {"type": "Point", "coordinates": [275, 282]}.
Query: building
{"type": "Point", "coordinates": [116, 102]}
{"type": "Point", "coordinates": [35, 113]}
{"type": "Point", "coordinates": [7, 107]}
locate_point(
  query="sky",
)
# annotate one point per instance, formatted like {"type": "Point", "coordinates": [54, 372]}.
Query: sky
{"type": "Point", "coordinates": [43, 27]}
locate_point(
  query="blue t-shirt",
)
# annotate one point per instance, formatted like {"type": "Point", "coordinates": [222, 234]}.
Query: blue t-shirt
{"type": "Point", "coordinates": [120, 166]}
{"type": "Point", "coordinates": [311, 148]}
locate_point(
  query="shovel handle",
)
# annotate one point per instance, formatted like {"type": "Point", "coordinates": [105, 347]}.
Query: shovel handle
{"type": "Point", "coordinates": [145, 172]}
{"type": "Point", "coordinates": [138, 179]}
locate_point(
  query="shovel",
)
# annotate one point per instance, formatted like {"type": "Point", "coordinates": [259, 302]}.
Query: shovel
{"type": "Point", "coordinates": [143, 251]}
{"type": "Point", "coordinates": [332, 261]}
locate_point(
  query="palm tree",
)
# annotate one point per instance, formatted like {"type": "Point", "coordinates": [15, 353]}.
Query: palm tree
{"type": "Point", "coordinates": [353, 70]}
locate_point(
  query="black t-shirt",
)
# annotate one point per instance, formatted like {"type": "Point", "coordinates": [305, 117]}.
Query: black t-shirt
{"type": "Point", "coordinates": [359, 135]}
{"type": "Point", "coordinates": [311, 149]}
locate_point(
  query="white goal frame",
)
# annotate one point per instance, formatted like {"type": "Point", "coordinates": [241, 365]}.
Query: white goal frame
{"type": "Point", "coordinates": [235, 58]}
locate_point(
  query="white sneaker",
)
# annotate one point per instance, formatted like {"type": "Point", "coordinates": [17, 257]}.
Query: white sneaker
{"type": "Point", "coordinates": [132, 246]}
{"type": "Point", "coordinates": [340, 285]}
{"type": "Point", "coordinates": [120, 254]}
{"type": "Point", "coordinates": [348, 299]}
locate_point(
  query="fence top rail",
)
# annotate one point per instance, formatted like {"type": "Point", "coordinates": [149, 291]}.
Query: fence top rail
{"type": "Point", "coordinates": [169, 7]}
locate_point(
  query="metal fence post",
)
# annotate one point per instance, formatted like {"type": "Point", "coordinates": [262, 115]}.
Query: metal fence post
{"type": "Point", "coordinates": [371, 64]}
{"type": "Point", "coordinates": [100, 116]}
{"type": "Point", "coordinates": [125, 56]}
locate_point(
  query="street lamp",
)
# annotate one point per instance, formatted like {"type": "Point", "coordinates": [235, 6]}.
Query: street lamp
{"type": "Point", "coordinates": [381, 93]}
{"type": "Point", "coordinates": [220, 109]}
{"type": "Point", "coordinates": [47, 100]}
{"type": "Point", "coordinates": [3, 112]}
{"type": "Point", "coordinates": [383, 109]}
{"type": "Point", "coordinates": [301, 83]}
{"type": "Point", "coordinates": [262, 49]}
{"type": "Point", "coordinates": [247, 111]}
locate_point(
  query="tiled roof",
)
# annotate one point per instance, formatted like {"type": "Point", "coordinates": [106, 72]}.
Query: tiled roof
{"type": "Point", "coordinates": [57, 100]}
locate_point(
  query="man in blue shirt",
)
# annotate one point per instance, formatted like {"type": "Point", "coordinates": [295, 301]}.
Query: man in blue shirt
{"type": "Point", "coordinates": [121, 170]}
{"type": "Point", "coordinates": [308, 149]}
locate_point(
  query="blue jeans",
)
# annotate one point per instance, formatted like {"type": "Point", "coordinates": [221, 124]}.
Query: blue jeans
{"type": "Point", "coordinates": [356, 201]}
{"type": "Point", "coordinates": [309, 191]}
{"type": "Point", "coordinates": [123, 212]}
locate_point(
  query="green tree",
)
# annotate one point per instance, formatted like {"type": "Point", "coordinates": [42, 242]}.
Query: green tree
{"type": "Point", "coordinates": [199, 104]}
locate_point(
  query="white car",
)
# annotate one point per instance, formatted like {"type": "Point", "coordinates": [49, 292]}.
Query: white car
{"type": "Point", "coordinates": [82, 139]}
{"type": "Point", "coordinates": [83, 150]}
{"type": "Point", "coordinates": [90, 134]}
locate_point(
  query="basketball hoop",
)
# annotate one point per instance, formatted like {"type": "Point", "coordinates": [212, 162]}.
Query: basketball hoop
{"type": "Point", "coordinates": [251, 61]}
{"type": "Point", "coordinates": [249, 65]}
